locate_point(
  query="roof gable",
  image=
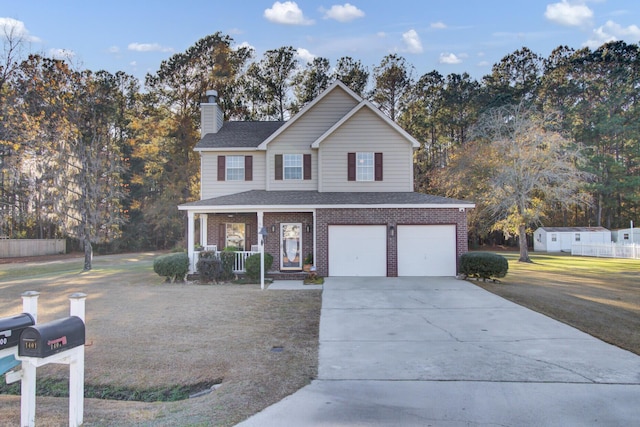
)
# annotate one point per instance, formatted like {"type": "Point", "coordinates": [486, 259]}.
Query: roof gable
{"type": "Point", "coordinates": [335, 86]}
{"type": "Point", "coordinates": [366, 104]}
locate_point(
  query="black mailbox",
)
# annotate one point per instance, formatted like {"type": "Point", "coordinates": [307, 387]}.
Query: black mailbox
{"type": "Point", "coordinates": [11, 327]}
{"type": "Point", "coordinates": [46, 339]}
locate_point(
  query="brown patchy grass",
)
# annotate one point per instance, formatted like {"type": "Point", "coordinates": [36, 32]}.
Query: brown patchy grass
{"type": "Point", "coordinates": [143, 333]}
{"type": "Point", "coordinates": [599, 296]}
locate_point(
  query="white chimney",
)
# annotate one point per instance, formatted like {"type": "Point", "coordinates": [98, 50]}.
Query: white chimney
{"type": "Point", "coordinates": [211, 116]}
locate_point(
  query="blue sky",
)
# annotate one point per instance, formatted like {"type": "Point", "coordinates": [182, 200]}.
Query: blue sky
{"type": "Point", "coordinates": [450, 36]}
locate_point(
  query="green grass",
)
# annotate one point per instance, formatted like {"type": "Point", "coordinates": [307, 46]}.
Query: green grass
{"type": "Point", "coordinates": [564, 263]}
{"type": "Point", "coordinates": [102, 268]}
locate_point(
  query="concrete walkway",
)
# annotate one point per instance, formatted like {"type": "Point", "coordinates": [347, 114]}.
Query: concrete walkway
{"type": "Point", "coordinates": [443, 352]}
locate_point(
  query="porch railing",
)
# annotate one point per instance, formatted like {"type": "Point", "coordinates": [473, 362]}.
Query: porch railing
{"type": "Point", "coordinates": [238, 262]}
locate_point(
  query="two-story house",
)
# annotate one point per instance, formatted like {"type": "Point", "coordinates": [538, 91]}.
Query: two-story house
{"type": "Point", "coordinates": [334, 181]}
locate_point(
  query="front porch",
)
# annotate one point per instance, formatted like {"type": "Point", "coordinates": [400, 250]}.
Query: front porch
{"type": "Point", "coordinates": [290, 237]}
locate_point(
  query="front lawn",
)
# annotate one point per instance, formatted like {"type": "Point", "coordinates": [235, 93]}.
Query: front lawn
{"type": "Point", "coordinates": [150, 338]}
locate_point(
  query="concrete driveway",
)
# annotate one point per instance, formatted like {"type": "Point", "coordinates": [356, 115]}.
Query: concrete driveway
{"type": "Point", "coordinates": [443, 352]}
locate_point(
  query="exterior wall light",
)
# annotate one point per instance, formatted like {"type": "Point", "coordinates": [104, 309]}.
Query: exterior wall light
{"type": "Point", "coordinates": [392, 231]}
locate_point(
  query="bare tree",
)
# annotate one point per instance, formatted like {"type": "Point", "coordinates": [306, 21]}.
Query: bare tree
{"type": "Point", "coordinates": [521, 167]}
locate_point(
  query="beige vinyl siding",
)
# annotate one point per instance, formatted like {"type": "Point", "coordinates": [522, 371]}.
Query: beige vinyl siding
{"type": "Point", "coordinates": [297, 139]}
{"type": "Point", "coordinates": [211, 187]}
{"type": "Point", "coordinates": [366, 132]}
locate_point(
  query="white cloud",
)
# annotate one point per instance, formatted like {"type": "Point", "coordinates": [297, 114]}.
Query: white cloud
{"type": "Point", "coordinates": [62, 54]}
{"type": "Point", "coordinates": [10, 27]}
{"type": "Point", "coordinates": [247, 45]}
{"type": "Point", "coordinates": [381, 34]}
{"type": "Point", "coordinates": [564, 13]}
{"type": "Point", "coordinates": [449, 58]}
{"type": "Point", "coordinates": [305, 55]}
{"type": "Point", "coordinates": [343, 13]}
{"type": "Point", "coordinates": [114, 49]}
{"type": "Point", "coordinates": [148, 47]}
{"type": "Point", "coordinates": [286, 13]}
{"type": "Point", "coordinates": [438, 25]}
{"type": "Point", "coordinates": [612, 31]}
{"type": "Point", "coordinates": [412, 42]}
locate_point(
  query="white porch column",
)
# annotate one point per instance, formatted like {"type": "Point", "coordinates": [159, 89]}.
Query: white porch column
{"type": "Point", "coordinates": [260, 215]}
{"type": "Point", "coordinates": [315, 260]}
{"type": "Point", "coordinates": [203, 229]}
{"type": "Point", "coordinates": [190, 237]}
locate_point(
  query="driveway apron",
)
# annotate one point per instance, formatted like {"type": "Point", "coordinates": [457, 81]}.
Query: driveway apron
{"type": "Point", "coordinates": [444, 352]}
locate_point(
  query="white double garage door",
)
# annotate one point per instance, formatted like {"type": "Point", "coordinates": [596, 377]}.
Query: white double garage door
{"type": "Point", "coordinates": [423, 250]}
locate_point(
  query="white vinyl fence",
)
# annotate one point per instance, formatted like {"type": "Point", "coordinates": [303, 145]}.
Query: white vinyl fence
{"type": "Point", "coordinates": [13, 248]}
{"type": "Point", "coordinates": [606, 250]}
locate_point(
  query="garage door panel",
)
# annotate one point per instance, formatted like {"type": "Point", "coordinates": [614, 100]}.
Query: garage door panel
{"type": "Point", "coordinates": [426, 250]}
{"type": "Point", "coordinates": [357, 250]}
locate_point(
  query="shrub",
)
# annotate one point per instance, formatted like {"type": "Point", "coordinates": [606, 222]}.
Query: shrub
{"type": "Point", "coordinates": [252, 265]}
{"type": "Point", "coordinates": [209, 268]}
{"type": "Point", "coordinates": [172, 266]}
{"type": "Point", "coordinates": [228, 259]}
{"type": "Point", "coordinates": [483, 265]}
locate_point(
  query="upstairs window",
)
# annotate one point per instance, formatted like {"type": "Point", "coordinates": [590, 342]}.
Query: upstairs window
{"type": "Point", "coordinates": [292, 166]}
{"type": "Point", "coordinates": [364, 167]}
{"type": "Point", "coordinates": [235, 168]}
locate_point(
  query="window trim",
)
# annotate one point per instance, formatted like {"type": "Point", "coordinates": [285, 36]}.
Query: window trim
{"type": "Point", "coordinates": [298, 159]}
{"type": "Point", "coordinates": [240, 161]}
{"type": "Point", "coordinates": [365, 172]}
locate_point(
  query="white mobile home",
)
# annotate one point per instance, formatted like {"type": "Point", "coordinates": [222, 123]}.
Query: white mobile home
{"type": "Point", "coordinates": [626, 235]}
{"type": "Point", "coordinates": [560, 239]}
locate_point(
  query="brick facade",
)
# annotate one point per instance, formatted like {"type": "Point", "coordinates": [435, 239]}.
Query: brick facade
{"type": "Point", "coordinates": [388, 217]}
{"type": "Point", "coordinates": [326, 217]}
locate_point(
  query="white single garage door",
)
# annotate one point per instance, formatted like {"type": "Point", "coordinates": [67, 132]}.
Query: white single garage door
{"type": "Point", "coordinates": [426, 250]}
{"type": "Point", "coordinates": [357, 250]}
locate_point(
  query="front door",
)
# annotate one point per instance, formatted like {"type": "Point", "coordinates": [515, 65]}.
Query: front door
{"type": "Point", "coordinates": [290, 246]}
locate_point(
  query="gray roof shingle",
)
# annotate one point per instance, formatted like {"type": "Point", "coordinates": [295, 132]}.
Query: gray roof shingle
{"type": "Point", "coordinates": [314, 198]}
{"type": "Point", "coordinates": [239, 135]}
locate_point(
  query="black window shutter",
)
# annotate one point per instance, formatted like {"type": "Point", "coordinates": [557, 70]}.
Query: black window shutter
{"type": "Point", "coordinates": [248, 237]}
{"type": "Point", "coordinates": [378, 167]}
{"type": "Point", "coordinates": [278, 167]}
{"type": "Point", "coordinates": [306, 166]}
{"type": "Point", "coordinates": [248, 168]}
{"type": "Point", "coordinates": [222, 165]}
{"type": "Point", "coordinates": [351, 166]}
{"type": "Point", "coordinates": [222, 236]}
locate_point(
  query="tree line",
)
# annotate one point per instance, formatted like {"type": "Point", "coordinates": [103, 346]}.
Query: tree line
{"type": "Point", "coordinates": [104, 158]}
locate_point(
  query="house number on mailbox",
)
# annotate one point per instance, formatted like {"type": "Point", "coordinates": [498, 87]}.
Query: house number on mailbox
{"type": "Point", "coordinates": [30, 344]}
